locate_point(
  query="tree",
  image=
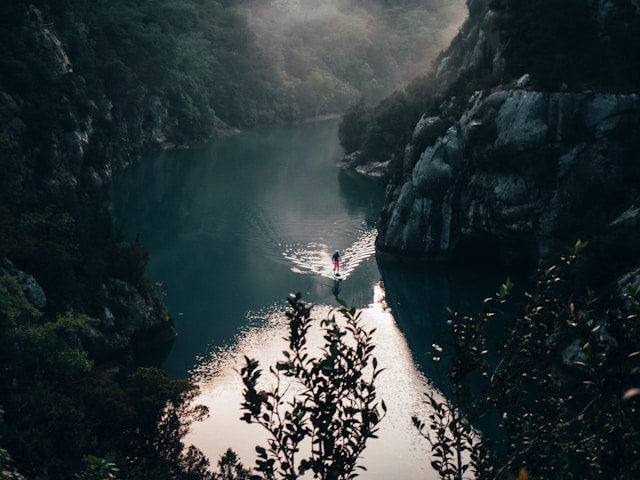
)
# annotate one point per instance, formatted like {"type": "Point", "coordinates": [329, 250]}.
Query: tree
{"type": "Point", "coordinates": [329, 399]}
{"type": "Point", "coordinates": [353, 127]}
{"type": "Point", "coordinates": [389, 129]}
{"type": "Point", "coordinates": [230, 468]}
{"type": "Point", "coordinates": [98, 469]}
{"type": "Point", "coordinates": [164, 410]}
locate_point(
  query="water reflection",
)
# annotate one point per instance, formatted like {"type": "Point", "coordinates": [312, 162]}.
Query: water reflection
{"type": "Point", "coordinates": [234, 226]}
{"type": "Point", "coordinates": [419, 298]}
{"type": "Point", "coordinates": [398, 449]}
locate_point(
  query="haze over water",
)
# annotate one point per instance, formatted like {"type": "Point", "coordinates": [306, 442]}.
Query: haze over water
{"type": "Point", "coordinates": [235, 226]}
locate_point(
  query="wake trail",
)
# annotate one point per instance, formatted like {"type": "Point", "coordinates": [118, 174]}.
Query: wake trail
{"type": "Point", "coordinates": [315, 258]}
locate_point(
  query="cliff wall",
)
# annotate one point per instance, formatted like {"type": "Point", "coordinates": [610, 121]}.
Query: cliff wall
{"type": "Point", "coordinates": [520, 170]}
{"type": "Point", "coordinates": [517, 172]}
{"type": "Point", "coordinates": [57, 161]}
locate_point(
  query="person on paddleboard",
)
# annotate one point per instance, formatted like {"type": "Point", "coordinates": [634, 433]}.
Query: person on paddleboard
{"type": "Point", "coordinates": [336, 262]}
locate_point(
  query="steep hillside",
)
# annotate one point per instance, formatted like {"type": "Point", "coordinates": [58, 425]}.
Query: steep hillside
{"type": "Point", "coordinates": [522, 139]}
{"type": "Point", "coordinates": [86, 89]}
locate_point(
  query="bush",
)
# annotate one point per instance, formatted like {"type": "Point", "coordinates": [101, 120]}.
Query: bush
{"type": "Point", "coordinates": [334, 406]}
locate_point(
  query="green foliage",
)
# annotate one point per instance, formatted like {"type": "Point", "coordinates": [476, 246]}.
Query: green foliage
{"type": "Point", "coordinates": [38, 349]}
{"type": "Point", "coordinates": [327, 400]}
{"type": "Point", "coordinates": [51, 347]}
{"type": "Point", "coordinates": [538, 416]}
{"type": "Point", "coordinates": [389, 129]}
{"type": "Point", "coordinates": [98, 427]}
{"type": "Point", "coordinates": [7, 469]}
{"type": "Point", "coordinates": [14, 306]}
{"type": "Point", "coordinates": [245, 62]}
{"type": "Point", "coordinates": [163, 411]}
{"type": "Point", "coordinates": [450, 435]}
{"type": "Point", "coordinates": [360, 49]}
{"type": "Point", "coordinates": [353, 126]}
{"type": "Point", "coordinates": [61, 409]}
{"type": "Point", "coordinates": [381, 133]}
{"type": "Point", "coordinates": [11, 188]}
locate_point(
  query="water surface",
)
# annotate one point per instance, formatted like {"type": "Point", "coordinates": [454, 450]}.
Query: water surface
{"type": "Point", "coordinates": [234, 226]}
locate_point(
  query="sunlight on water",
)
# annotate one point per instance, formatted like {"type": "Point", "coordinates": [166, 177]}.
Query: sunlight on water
{"type": "Point", "coordinates": [315, 258]}
{"type": "Point", "coordinates": [399, 449]}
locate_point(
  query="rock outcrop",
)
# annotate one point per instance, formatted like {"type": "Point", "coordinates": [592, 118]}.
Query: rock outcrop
{"type": "Point", "coordinates": [142, 125]}
{"type": "Point", "coordinates": [32, 290]}
{"type": "Point", "coordinates": [519, 171]}
{"type": "Point", "coordinates": [148, 324]}
{"type": "Point", "coordinates": [75, 160]}
{"type": "Point", "coordinates": [514, 174]}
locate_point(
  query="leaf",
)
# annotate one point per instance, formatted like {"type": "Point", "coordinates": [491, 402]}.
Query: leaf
{"type": "Point", "coordinates": [632, 392]}
{"type": "Point", "coordinates": [283, 365]}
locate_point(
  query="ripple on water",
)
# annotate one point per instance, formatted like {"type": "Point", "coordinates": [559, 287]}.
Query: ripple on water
{"type": "Point", "coordinates": [315, 258]}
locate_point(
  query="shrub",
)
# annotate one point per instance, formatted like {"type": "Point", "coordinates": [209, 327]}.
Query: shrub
{"type": "Point", "coordinates": [334, 404]}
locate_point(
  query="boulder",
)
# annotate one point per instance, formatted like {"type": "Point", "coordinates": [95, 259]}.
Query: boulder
{"type": "Point", "coordinates": [33, 292]}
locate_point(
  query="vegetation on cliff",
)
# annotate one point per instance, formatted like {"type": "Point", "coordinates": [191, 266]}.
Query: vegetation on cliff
{"type": "Point", "coordinates": [585, 48]}
{"type": "Point", "coordinates": [64, 416]}
{"type": "Point", "coordinates": [557, 395]}
{"type": "Point", "coordinates": [577, 46]}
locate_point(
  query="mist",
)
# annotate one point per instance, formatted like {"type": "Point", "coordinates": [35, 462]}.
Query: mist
{"type": "Point", "coordinates": [329, 54]}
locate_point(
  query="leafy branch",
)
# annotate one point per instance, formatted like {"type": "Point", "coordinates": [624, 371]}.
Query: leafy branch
{"type": "Point", "coordinates": [326, 402]}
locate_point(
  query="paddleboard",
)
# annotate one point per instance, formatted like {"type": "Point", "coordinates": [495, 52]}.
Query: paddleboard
{"type": "Point", "coordinates": [337, 276]}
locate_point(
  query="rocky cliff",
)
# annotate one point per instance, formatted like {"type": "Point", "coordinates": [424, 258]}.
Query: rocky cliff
{"type": "Point", "coordinates": [55, 160]}
{"type": "Point", "coordinates": [62, 165]}
{"type": "Point", "coordinates": [519, 170]}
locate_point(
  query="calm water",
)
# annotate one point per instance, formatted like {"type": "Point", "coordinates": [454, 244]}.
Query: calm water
{"type": "Point", "coordinates": [235, 226]}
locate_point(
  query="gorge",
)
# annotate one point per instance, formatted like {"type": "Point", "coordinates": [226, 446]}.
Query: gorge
{"type": "Point", "coordinates": [522, 141]}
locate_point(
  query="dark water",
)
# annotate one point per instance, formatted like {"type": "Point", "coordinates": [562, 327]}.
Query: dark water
{"type": "Point", "coordinates": [235, 226]}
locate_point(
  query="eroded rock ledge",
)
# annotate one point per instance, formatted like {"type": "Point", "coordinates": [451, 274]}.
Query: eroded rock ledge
{"type": "Point", "coordinates": [514, 175]}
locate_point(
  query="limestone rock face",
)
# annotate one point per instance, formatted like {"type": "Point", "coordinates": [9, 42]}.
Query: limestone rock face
{"type": "Point", "coordinates": [48, 40]}
{"type": "Point", "coordinates": [125, 298]}
{"type": "Point", "coordinates": [518, 172]}
{"type": "Point", "coordinates": [136, 321]}
{"type": "Point", "coordinates": [144, 125]}
{"type": "Point", "coordinates": [33, 292]}
{"type": "Point", "coordinates": [510, 174]}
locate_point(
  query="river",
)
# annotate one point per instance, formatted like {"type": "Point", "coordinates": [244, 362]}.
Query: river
{"type": "Point", "coordinates": [234, 226]}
